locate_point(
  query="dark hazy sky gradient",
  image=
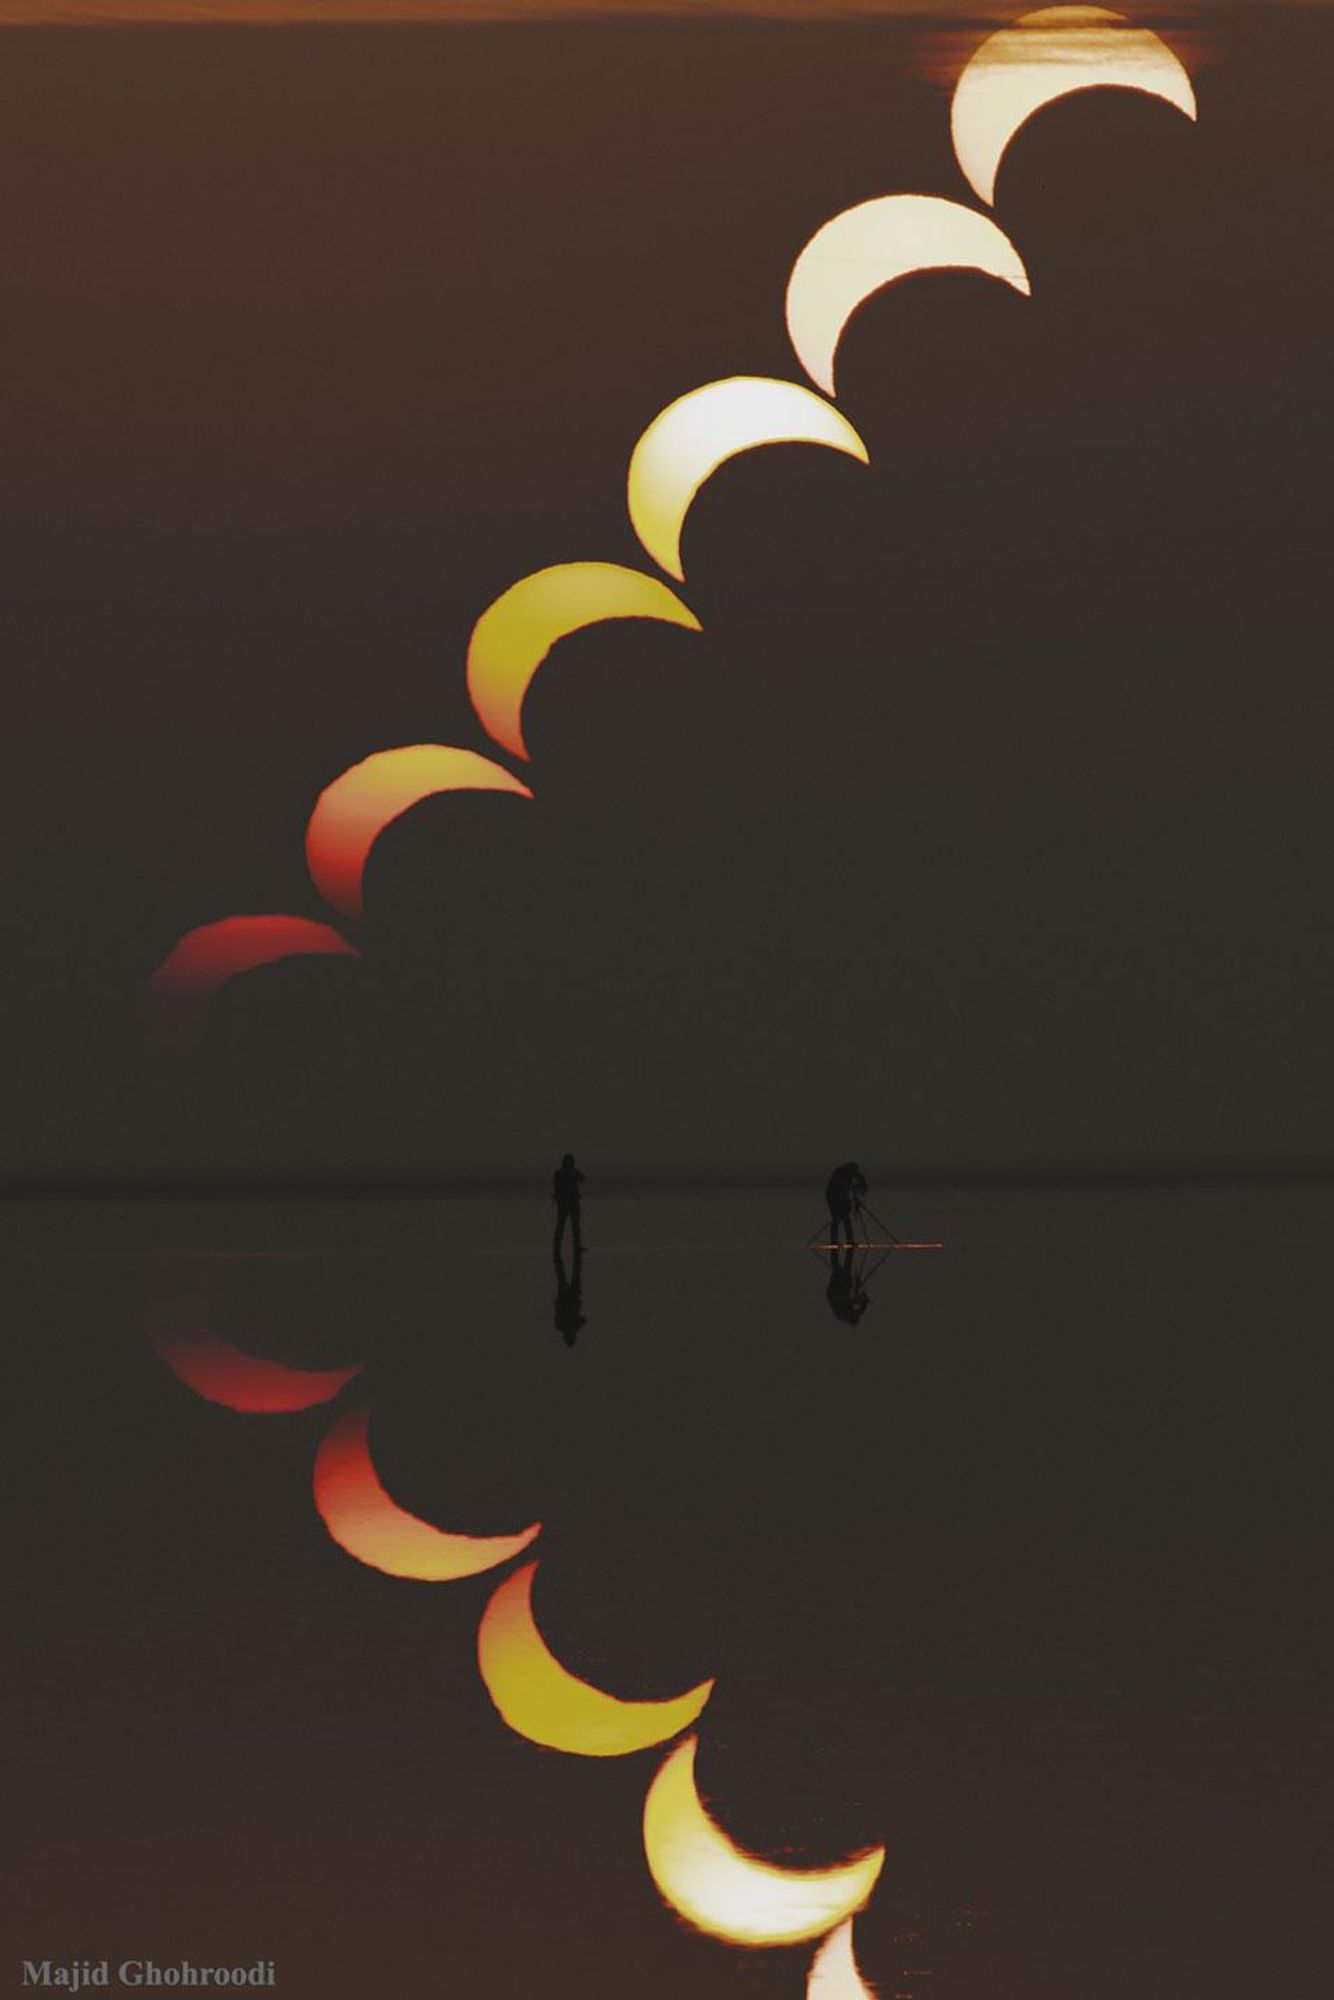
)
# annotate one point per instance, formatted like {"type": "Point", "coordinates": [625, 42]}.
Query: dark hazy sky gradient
{"type": "Point", "coordinates": [987, 827]}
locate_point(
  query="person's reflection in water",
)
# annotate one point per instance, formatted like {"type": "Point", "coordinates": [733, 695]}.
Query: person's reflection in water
{"type": "Point", "coordinates": [565, 1185]}
{"type": "Point", "coordinates": [846, 1292]}
{"type": "Point", "coordinates": [569, 1307]}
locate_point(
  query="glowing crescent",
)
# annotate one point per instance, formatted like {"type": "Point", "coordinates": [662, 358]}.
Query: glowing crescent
{"type": "Point", "coordinates": [730, 1894]}
{"type": "Point", "coordinates": [178, 992]}
{"type": "Point", "coordinates": [221, 1373]}
{"type": "Point", "coordinates": [834, 1973]}
{"type": "Point", "coordinates": [867, 248]}
{"type": "Point", "coordinates": [541, 1700]}
{"type": "Point", "coordinates": [362, 1518]}
{"type": "Point", "coordinates": [514, 635]}
{"type": "Point", "coordinates": [692, 437]}
{"type": "Point", "coordinates": [1047, 55]}
{"type": "Point", "coordinates": [352, 812]}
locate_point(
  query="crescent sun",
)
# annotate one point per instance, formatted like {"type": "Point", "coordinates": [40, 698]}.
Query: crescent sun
{"type": "Point", "coordinates": [1047, 55]}
{"type": "Point", "coordinates": [514, 635]}
{"type": "Point", "coordinates": [730, 1894]}
{"type": "Point", "coordinates": [693, 436]}
{"type": "Point", "coordinates": [834, 1973]}
{"type": "Point", "coordinates": [352, 812]}
{"type": "Point", "coordinates": [868, 247]}
{"type": "Point", "coordinates": [177, 993]}
{"type": "Point", "coordinates": [542, 1700]}
{"type": "Point", "coordinates": [221, 1373]}
{"type": "Point", "coordinates": [368, 1524]}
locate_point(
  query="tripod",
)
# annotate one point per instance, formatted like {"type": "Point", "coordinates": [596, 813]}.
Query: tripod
{"type": "Point", "coordinates": [860, 1209]}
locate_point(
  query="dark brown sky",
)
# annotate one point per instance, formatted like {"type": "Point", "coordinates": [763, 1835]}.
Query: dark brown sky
{"type": "Point", "coordinates": [987, 827]}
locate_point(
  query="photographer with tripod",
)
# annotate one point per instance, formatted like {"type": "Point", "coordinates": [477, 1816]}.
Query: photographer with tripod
{"type": "Point", "coordinates": [843, 1191]}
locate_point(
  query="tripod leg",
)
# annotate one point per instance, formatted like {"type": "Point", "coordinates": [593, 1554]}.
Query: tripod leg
{"type": "Point", "coordinates": [889, 1233]}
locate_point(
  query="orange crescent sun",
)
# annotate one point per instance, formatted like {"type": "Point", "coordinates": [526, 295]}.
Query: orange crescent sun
{"type": "Point", "coordinates": [221, 1373]}
{"type": "Point", "coordinates": [178, 991]}
{"type": "Point", "coordinates": [352, 812]}
{"type": "Point", "coordinates": [363, 1519]}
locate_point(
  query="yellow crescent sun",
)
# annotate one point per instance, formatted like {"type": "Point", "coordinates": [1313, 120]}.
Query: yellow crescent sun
{"type": "Point", "coordinates": [868, 247]}
{"type": "Point", "coordinates": [1046, 55]}
{"type": "Point", "coordinates": [514, 635]}
{"type": "Point", "coordinates": [542, 1700]}
{"type": "Point", "coordinates": [352, 812]}
{"type": "Point", "coordinates": [364, 1520]}
{"type": "Point", "coordinates": [730, 1894]}
{"type": "Point", "coordinates": [693, 436]}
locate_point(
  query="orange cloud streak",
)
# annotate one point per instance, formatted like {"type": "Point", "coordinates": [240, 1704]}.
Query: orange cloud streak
{"type": "Point", "coordinates": [324, 13]}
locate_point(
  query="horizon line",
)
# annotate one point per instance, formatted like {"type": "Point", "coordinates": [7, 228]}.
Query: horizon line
{"type": "Point", "coordinates": [450, 1184]}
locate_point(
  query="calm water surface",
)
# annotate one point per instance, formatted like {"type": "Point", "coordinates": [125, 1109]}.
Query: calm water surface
{"type": "Point", "coordinates": [1019, 1574]}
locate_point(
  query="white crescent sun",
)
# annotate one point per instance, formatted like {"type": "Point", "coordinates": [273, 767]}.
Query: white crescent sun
{"type": "Point", "coordinates": [1046, 55]}
{"type": "Point", "coordinates": [693, 436]}
{"type": "Point", "coordinates": [868, 247]}
{"type": "Point", "coordinates": [733, 1895]}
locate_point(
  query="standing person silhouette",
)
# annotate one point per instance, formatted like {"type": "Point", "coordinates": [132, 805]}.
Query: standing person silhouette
{"type": "Point", "coordinates": [843, 1191]}
{"type": "Point", "coordinates": [565, 1185]}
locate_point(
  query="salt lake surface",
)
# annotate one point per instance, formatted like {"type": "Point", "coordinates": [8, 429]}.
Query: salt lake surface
{"type": "Point", "coordinates": [1020, 1574]}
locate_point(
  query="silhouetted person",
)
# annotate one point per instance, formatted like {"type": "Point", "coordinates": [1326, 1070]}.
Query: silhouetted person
{"type": "Point", "coordinates": [565, 1185]}
{"type": "Point", "coordinates": [847, 1295]}
{"type": "Point", "coordinates": [843, 1191]}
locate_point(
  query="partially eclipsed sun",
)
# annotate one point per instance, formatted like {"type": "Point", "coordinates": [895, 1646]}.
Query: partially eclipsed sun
{"type": "Point", "coordinates": [693, 436]}
{"type": "Point", "coordinates": [1047, 55]}
{"type": "Point", "coordinates": [514, 635]}
{"type": "Point", "coordinates": [868, 247]}
{"type": "Point", "coordinates": [728, 1893]}
{"type": "Point", "coordinates": [221, 1373]}
{"type": "Point", "coordinates": [178, 992]}
{"type": "Point", "coordinates": [352, 812]}
{"type": "Point", "coordinates": [368, 1524]}
{"type": "Point", "coordinates": [542, 1700]}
